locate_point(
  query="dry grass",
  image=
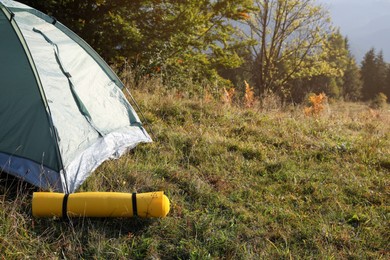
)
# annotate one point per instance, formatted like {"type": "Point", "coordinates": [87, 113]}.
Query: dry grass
{"type": "Point", "coordinates": [227, 96]}
{"type": "Point", "coordinates": [249, 96]}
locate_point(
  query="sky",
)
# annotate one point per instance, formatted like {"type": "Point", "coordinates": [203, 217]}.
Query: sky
{"type": "Point", "coordinates": [366, 23]}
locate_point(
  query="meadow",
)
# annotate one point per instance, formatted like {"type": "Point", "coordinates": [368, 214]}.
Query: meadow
{"type": "Point", "coordinates": [259, 182]}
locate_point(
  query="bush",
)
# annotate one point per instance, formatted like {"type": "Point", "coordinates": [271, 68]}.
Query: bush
{"type": "Point", "coordinates": [316, 104]}
{"type": "Point", "coordinates": [379, 101]}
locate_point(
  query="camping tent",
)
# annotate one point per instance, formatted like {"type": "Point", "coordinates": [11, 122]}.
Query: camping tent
{"type": "Point", "coordinates": [62, 109]}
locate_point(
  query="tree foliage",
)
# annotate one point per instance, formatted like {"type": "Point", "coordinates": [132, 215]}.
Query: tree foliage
{"type": "Point", "coordinates": [368, 71]}
{"type": "Point", "coordinates": [352, 84]}
{"type": "Point", "coordinates": [153, 35]}
{"type": "Point", "coordinates": [288, 47]}
{"type": "Point", "coordinates": [374, 73]}
{"type": "Point", "coordinates": [327, 68]}
{"type": "Point", "coordinates": [289, 36]}
{"type": "Point", "coordinates": [386, 91]}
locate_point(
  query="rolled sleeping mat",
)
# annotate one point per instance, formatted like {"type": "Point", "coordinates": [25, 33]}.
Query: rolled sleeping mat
{"type": "Point", "coordinates": [100, 204]}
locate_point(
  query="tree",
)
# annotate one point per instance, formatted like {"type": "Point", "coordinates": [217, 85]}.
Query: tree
{"type": "Point", "coordinates": [333, 64]}
{"type": "Point", "coordinates": [289, 36]}
{"type": "Point", "coordinates": [368, 72]}
{"type": "Point", "coordinates": [387, 85]}
{"type": "Point", "coordinates": [153, 35]}
{"type": "Point", "coordinates": [352, 84]}
{"type": "Point", "coordinates": [323, 72]}
{"type": "Point", "coordinates": [374, 73]}
{"type": "Point", "coordinates": [381, 72]}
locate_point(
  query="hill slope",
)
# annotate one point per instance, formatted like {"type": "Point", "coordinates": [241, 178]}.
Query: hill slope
{"type": "Point", "coordinates": [243, 184]}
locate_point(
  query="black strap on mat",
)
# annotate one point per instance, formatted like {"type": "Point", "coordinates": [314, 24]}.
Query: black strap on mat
{"type": "Point", "coordinates": [134, 203]}
{"type": "Point", "coordinates": [65, 207]}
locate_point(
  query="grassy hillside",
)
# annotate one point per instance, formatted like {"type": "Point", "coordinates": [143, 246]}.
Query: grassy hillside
{"type": "Point", "coordinates": [243, 184]}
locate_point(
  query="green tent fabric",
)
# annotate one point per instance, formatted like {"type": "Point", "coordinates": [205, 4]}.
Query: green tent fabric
{"type": "Point", "coordinates": [62, 109]}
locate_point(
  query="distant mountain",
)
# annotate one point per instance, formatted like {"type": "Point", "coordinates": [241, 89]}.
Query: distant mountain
{"type": "Point", "coordinates": [366, 23]}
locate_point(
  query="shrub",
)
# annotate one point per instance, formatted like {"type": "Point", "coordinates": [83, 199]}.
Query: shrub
{"type": "Point", "coordinates": [317, 104]}
{"type": "Point", "coordinates": [379, 101]}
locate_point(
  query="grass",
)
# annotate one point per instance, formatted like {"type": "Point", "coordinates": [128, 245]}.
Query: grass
{"type": "Point", "coordinates": [243, 184]}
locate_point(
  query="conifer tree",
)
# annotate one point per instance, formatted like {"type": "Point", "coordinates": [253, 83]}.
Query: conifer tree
{"type": "Point", "coordinates": [381, 72]}
{"type": "Point", "coordinates": [368, 75]}
{"type": "Point", "coordinates": [352, 84]}
{"type": "Point", "coordinates": [386, 90]}
{"type": "Point", "coordinates": [374, 74]}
